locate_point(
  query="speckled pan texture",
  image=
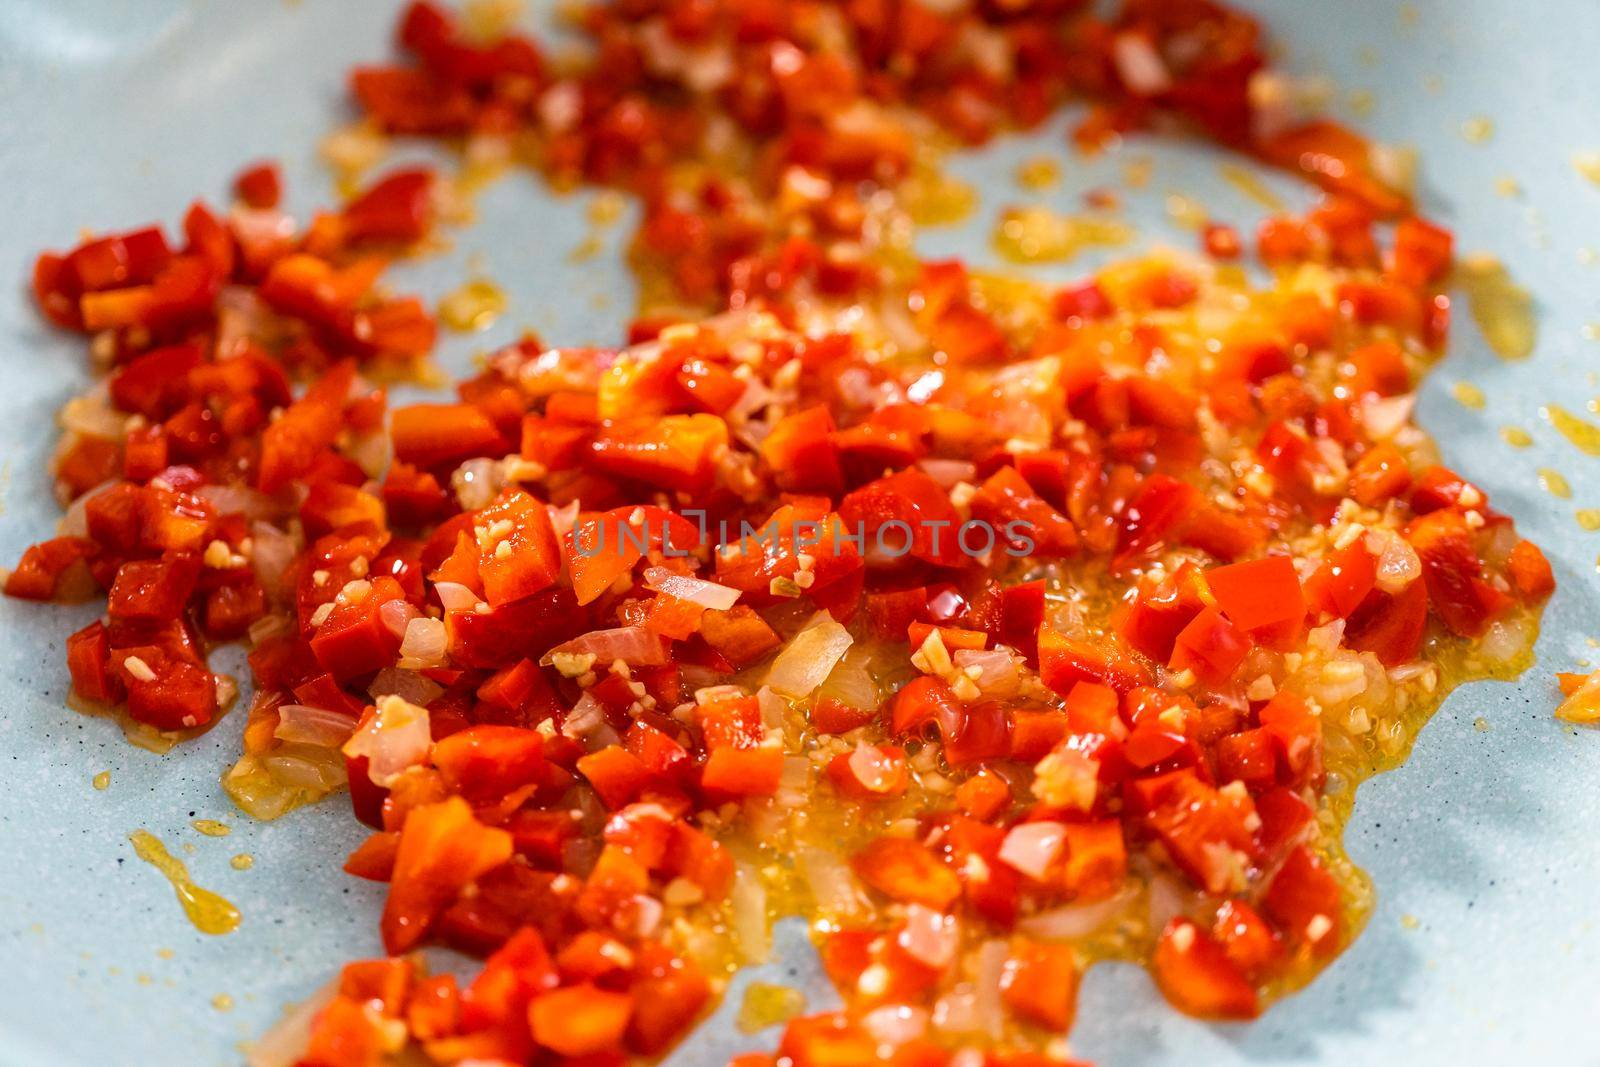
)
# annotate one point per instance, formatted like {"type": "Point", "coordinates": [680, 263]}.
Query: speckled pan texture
{"type": "Point", "coordinates": [1484, 947]}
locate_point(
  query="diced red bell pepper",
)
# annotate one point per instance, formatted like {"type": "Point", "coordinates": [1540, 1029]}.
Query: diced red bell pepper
{"type": "Point", "coordinates": [165, 691]}
{"type": "Point", "coordinates": [1065, 661]}
{"type": "Point", "coordinates": [1211, 646]}
{"type": "Point", "coordinates": [354, 639]}
{"type": "Point", "coordinates": [402, 100]}
{"type": "Point", "coordinates": [668, 994]}
{"type": "Point", "coordinates": [1096, 861]}
{"type": "Point", "coordinates": [1198, 978]}
{"type": "Point", "coordinates": [1391, 627]}
{"type": "Point", "coordinates": [801, 452]}
{"type": "Point", "coordinates": [925, 522]}
{"type": "Point", "coordinates": [1453, 573]}
{"type": "Point", "coordinates": [673, 451]}
{"type": "Point", "coordinates": [920, 701]}
{"type": "Point", "coordinates": [580, 1020]}
{"type": "Point", "coordinates": [906, 871]}
{"type": "Point", "coordinates": [1335, 158]}
{"type": "Point", "coordinates": [153, 590]}
{"type": "Point", "coordinates": [443, 849]}
{"type": "Point", "coordinates": [290, 445]}
{"type": "Point", "coordinates": [437, 435]}
{"type": "Point", "coordinates": [1040, 983]}
{"type": "Point", "coordinates": [1379, 475]}
{"type": "Point", "coordinates": [1422, 251]}
{"type": "Point", "coordinates": [616, 774]}
{"type": "Point", "coordinates": [44, 571]}
{"type": "Point", "coordinates": [1008, 503]}
{"type": "Point", "coordinates": [831, 716]}
{"type": "Point", "coordinates": [1304, 900]}
{"type": "Point", "coordinates": [398, 208]}
{"type": "Point", "coordinates": [1250, 942]}
{"type": "Point", "coordinates": [1297, 734]}
{"type": "Point", "coordinates": [259, 186]}
{"type": "Point", "coordinates": [488, 762]}
{"type": "Point", "coordinates": [1258, 594]}
{"type": "Point", "coordinates": [89, 662]}
{"type": "Point", "coordinates": [743, 771]}
{"type": "Point", "coordinates": [1530, 572]}
{"type": "Point", "coordinates": [1342, 580]}
{"type": "Point", "coordinates": [518, 554]}
{"type": "Point", "coordinates": [516, 973]}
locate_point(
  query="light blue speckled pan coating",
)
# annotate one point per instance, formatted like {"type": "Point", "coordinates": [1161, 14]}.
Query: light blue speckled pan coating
{"type": "Point", "coordinates": [114, 112]}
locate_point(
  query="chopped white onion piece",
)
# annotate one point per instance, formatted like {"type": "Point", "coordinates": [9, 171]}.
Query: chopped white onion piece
{"type": "Point", "coordinates": [408, 685]}
{"type": "Point", "coordinates": [872, 767]}
{"type": "Point", "coordinates": [832, 884]}
{"type": "Point", "coordinates": [424, 643]}
{"type": "Point", "coordinates": [997, 674]}
{"type": "Point", "coordinates": [586, 716]}
{"type": "Point", "coordinates": [747, 905]}
{"type": "Point", "coordinates": [396, 616]}
{"type": "Point", "coordinates": [633, 645]}
{"type": "Point", "coordinates": [453, 596]}
{"type": "Point", "coordinates": [271, 552]}
{"type": "Point", "coordinates": [393, 740]}
{"type": "Point", "coordinates": [313, 726]}
{"type": "Point", "coordinates": [1031, 847]}
{"type": "Point", "coordinates": [809, 657]}
{"type": "Point", "coordinates": [949, 472]}
{"type": "Point", "coordinates": [1071, 921]}
{"type": "Point", "coordinates": [930, 936]}
{"type": "Point", "coordinates": [238, 500]}
{"type": "Point", "coordinates": [708, 595]}
{"type": "Point", "coordinates": [990, 969]}
{"type": "Point", "coordinates": [1383, 416]}
{"type": "Point", "coordinates": [285, 1044]}
{"type": "Point", "coordinates": [851, 682]}
{"type": "Point", "coordinates": [896, 1024]}
{"type": "Point", "coordinates": [1139, 65]}
{"type": "Point", "coordinates": [310, 767]}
